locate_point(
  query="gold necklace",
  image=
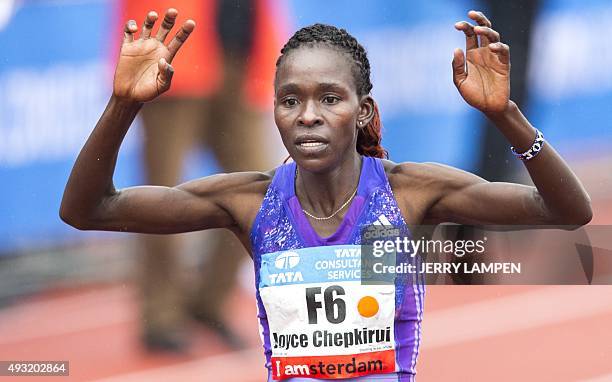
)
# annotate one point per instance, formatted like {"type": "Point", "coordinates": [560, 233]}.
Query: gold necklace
{"type": "Point", "coordinates": [336, 212]}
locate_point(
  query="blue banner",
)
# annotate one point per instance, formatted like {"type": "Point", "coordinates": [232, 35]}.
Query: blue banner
{"type": "Point", "coordinates": [55, 80]}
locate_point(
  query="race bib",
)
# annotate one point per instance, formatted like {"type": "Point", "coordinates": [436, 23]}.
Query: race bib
{"type": "Point", "coordinates": [323, 322]}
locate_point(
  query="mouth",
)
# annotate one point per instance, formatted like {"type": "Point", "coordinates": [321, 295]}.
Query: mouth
{"type": "Point", "coordinates": [311, 144]}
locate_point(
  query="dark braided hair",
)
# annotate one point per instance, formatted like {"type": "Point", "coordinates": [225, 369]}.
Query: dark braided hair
{"type": "Point", "coordinates": [369, 137]}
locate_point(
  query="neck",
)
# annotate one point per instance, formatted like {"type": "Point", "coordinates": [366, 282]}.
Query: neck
{"type": "Point", "coordinates": [323, 193]}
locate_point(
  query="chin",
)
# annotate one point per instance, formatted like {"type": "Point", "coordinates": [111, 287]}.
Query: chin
{"type": "Point", "coordinates": [319, 165]}
{"type": "Point", "coordinates": [314, 165]}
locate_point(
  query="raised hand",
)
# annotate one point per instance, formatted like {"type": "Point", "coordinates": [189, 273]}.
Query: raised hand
{"type": "Point", "coordinates": [144, 69]}
{"type": "Point", "coordinates": [484, 82]}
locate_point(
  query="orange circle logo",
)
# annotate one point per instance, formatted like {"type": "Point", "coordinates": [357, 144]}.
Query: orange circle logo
{"type": "Point", "coordinates": [367, 306]}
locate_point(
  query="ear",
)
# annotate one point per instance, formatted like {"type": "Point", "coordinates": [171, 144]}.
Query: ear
{"type": "Point", "coordinates": [366, 111]}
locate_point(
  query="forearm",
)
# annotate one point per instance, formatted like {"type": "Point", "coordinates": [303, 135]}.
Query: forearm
{"type": "Point", "coordinates": [91, 179]}
{"type": "Point", "coordinates": [562, 192]}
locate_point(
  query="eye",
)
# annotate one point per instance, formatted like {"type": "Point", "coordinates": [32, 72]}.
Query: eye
{"type": "Point", "coordinates": [289, 102]}
{"type": "Point", "coordinates": [331, 99]}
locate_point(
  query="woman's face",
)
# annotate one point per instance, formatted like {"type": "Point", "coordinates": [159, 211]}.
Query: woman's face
{"type": "Point", "coordinates": [316, 107]}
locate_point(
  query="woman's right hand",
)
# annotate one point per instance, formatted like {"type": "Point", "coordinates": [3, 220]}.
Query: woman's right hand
{"type": "Point", "coordinates": [143, 71]}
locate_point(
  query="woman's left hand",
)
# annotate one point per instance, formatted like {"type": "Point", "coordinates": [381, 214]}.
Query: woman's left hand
{"type": "Point", "coordinates": [484, 82]}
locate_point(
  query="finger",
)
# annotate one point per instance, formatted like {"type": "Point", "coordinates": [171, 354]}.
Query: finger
{"type": "Point", "coordinates": [471, 40]}
{"type": "Point", "coordinates": [167, 24]}
{"type": "Point", "coordinates": [502, 51]}
{"type": "Point", "coordinates": [147, 26]}
{"type": "Point", "coordinates": [164, 78]}
{"type": "Point", "coordinates": [180, 37]}
{"type": "Point", "coordinates": [480, 18]}
{"type": "Point", "coordinates": [129, 30]}
{"type": "Point", "coordinates": [459, 70]}
{"type": "Point", "coordinates": [487, 35]}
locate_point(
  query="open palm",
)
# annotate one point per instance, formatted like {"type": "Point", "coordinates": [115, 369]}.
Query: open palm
{"type": "Point", "coordinates": [482, 75]}
{"type": "Point", "coordinates": [143, 71]}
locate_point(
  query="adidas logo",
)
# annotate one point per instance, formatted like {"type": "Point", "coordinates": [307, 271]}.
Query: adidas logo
{"type": "Point", "coordinates": [382, 220]}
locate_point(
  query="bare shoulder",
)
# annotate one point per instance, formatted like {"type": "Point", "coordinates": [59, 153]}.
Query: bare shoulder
{"type": "Point", "coordinates": [238, 193]}
{"type": "Point", "coordinates": [427, 174]}
{"type": "Point", "coordinates": [415, 174]}
{"type": "Point", "coordinates": [236, 183]}
{"type": "Point", "coordinates": [419, 186]}
{"type": "Point", "coordinates": [412, 180]}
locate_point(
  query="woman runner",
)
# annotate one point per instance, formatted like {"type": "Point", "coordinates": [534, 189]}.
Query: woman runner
{"type": "Point", "coordinates": [301, 221]}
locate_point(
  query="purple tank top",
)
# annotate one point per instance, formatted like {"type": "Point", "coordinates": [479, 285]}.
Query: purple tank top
{"type": "Point", "coordinates": [304, 281]}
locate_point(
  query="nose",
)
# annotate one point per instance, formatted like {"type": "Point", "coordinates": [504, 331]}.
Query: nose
{"type": "Point", "coordinates": [309, 115]}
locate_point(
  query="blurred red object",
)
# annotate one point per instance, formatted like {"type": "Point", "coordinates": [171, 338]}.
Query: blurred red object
{"type": "Point", "coordinates": [199, 67]}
